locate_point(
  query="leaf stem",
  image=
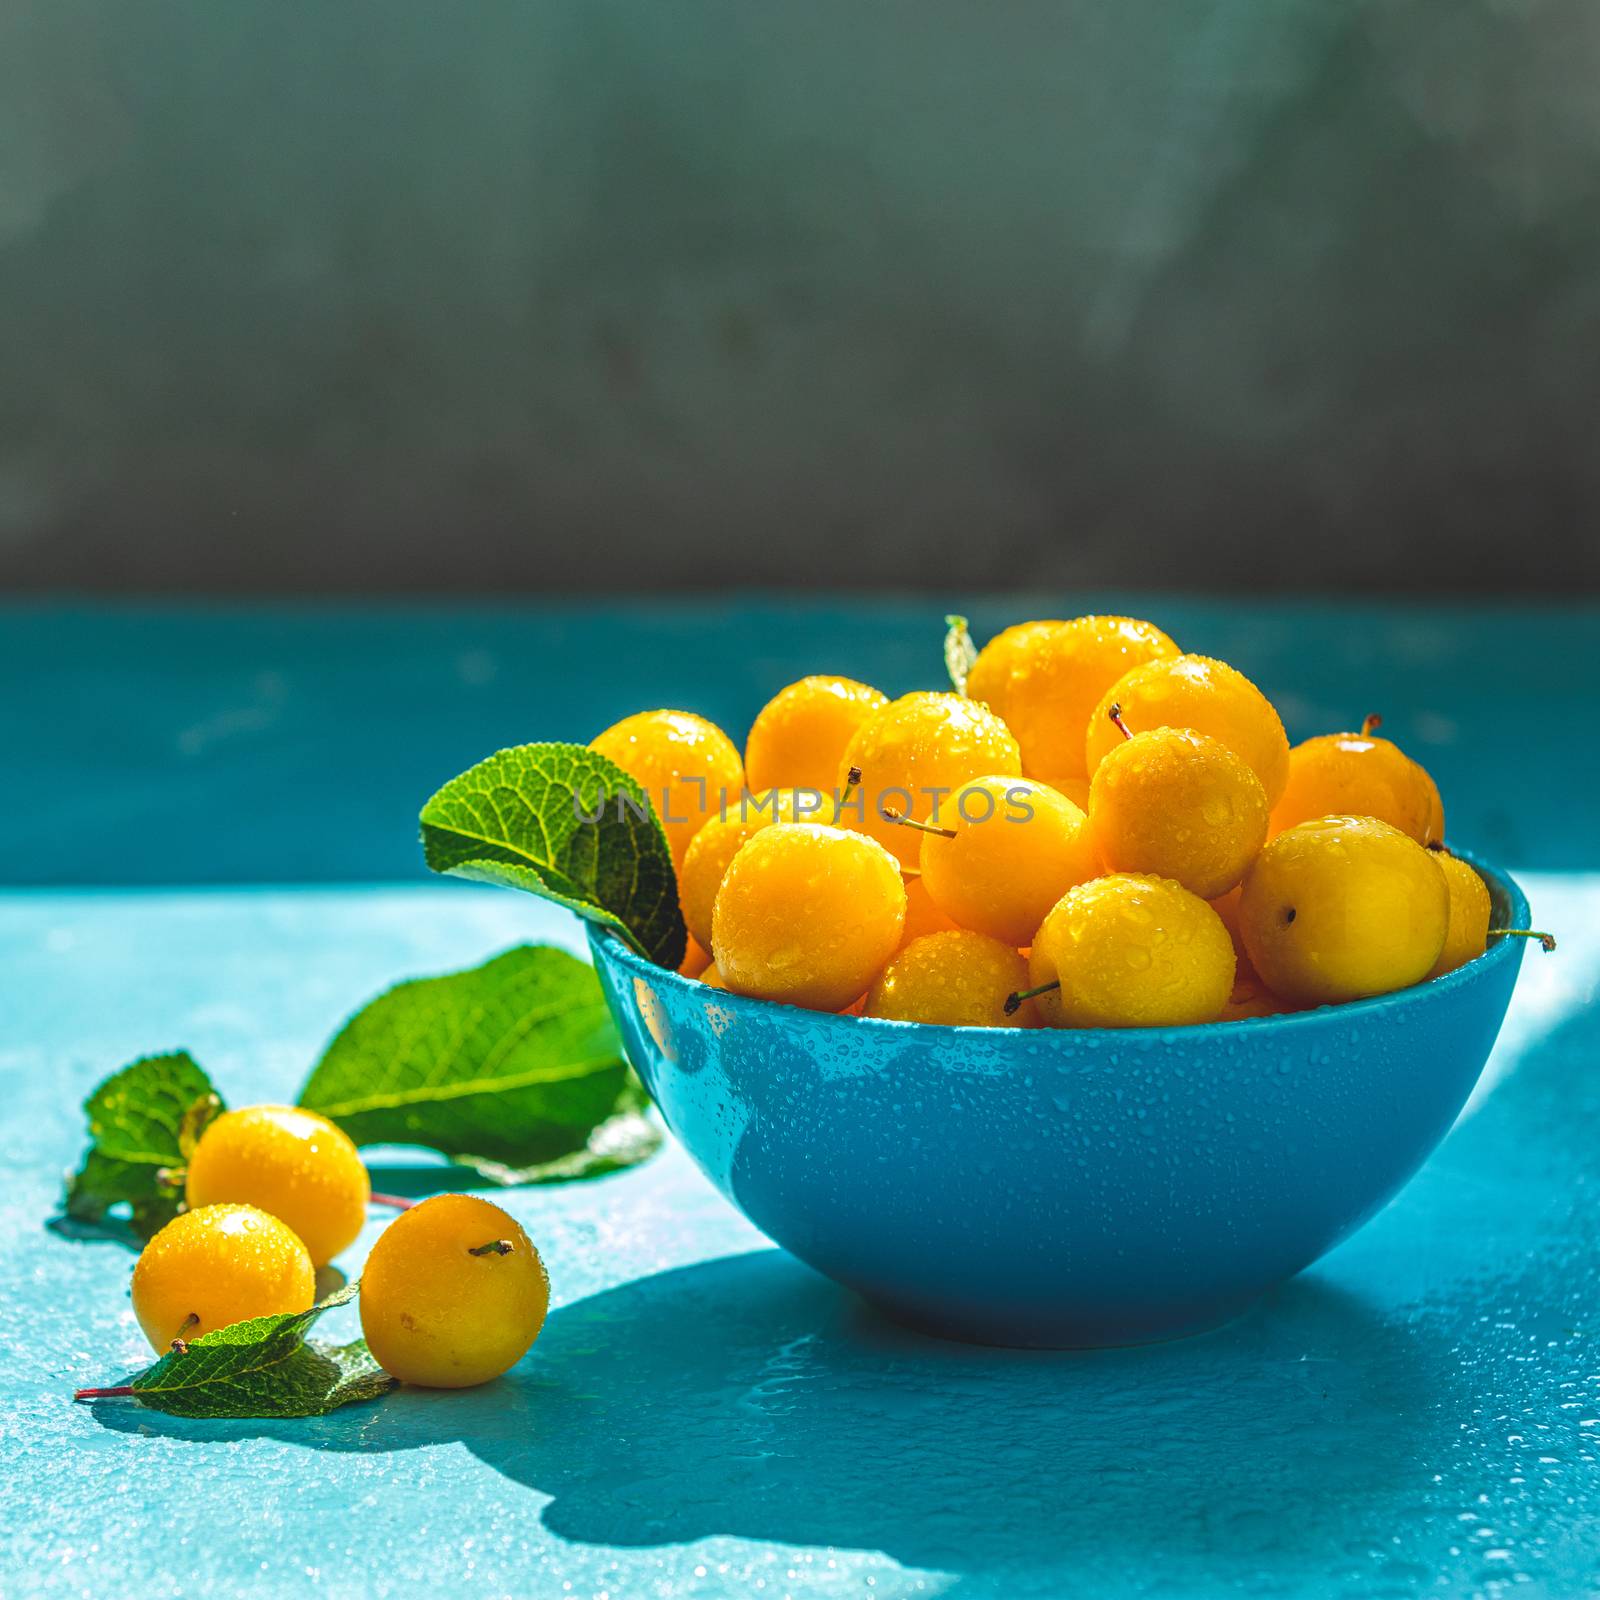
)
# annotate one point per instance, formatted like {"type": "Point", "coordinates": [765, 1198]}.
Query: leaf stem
{"type": "Point", "coordinates": [117, 1393]}
{"type": "Point", "coordinates": [960, 653]}
{"type": "Point", "coordinates": [398, 1202]}
{"type": "Point", "coordinates": [495, 1247]}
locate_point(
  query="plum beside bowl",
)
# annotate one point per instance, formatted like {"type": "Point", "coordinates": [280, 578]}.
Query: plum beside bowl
{"type": "Point", "coordinates": [1062, 1188]}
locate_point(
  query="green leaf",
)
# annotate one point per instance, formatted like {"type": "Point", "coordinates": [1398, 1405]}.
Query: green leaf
{"type": "Point", "coordinates": [959, 652]}
{"type": "Point", "coordinates": [139, 1120]}
{"type": "Point", "coordinates": [264, 1368]}
{"type": "Point", "coordinates": [563, 822]}
{"type": "Point", "coordinates": [513, 1067]}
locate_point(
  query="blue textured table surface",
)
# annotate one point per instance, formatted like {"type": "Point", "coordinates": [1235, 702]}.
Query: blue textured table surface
{"type": "Point", "coordinates": [1417, 1415]}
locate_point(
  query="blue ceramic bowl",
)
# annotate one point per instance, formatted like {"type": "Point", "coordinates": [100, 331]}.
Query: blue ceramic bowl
{"type": "Point", "coordinates": [1060, 1187]}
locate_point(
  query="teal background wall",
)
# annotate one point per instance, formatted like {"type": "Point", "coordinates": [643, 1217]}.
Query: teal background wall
{"type": "Point", "coordinates": [502, 295]}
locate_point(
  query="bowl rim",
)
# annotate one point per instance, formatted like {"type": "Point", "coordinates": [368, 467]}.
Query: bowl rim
{"type": "Point", "coordinates": [605, 943]}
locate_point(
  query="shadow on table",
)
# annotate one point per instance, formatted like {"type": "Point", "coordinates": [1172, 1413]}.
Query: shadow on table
{"type": "Point", "coordinates": [107, 1230]}
{"type": "Point", "coordinates": [749, 1397]}
{"type": "Point", "coordinates": [416, 1180]}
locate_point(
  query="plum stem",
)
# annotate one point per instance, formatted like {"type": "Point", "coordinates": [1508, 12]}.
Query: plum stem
{"type": "Point", "coordinates": [1014, 1001]}
{"type": "Point", "coordinates": [852, 780]}
{"type": "Point", "coordinates": [399, 1202]}
{"type": "Point", "coordinates": [1115, 713]}
{"type": "Point", "coordinates": [1370, 724]}
{"type": "Point", "coordinates": [495, 1247]}
{"type": "Point", "coordinates": [1547, 941]}
{"type": "Point", "coordinates": [891, 815]}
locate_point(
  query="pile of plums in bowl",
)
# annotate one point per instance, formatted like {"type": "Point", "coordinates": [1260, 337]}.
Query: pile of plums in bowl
{"type": "Point", "coordinates": [1070, 1007]}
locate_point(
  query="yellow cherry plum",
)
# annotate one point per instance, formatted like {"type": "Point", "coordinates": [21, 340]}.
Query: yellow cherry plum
{"type": "Point", "coordinates": [958, 979]}
{"type": "Point", "coordinates": [1009, 849]}
{"type": "Point", "coordinates": [807, 914]}
{"type": "Point", "coordinates": [912, 757]}
{"type": "Point", "coordinates": [1467, 927]}
{"type": "Point", "coordinates": [696, 958]}
{"type": "Point", "coordinates": [292, 1164]}
{"type": "Point", "coordinates": [1074, 789]}
{"type": "Point", "coordinates": [1044, 679]}
{"type": "Point", "coordinates": [1180, 805]}
{"type": "Point", "coordinates": [719, 840]}
{"type": "Point", "coordinates": [1251, 998]}
{"type": "Point", "coordinates": [1130, 951]}
{"type": "Point", "coordinates": [1343, 907]}
{"type": "Point", "coordinates": [799, 736]}
{"type": "Point", "coordinates": [453, 1293]}
{"type": "Point", "coordinates": [688, 767]}
{"type": "Point", "coordinates": [1199, 693]}
{"type": "Point", "coordinates": [1226, 906]}
{"type": "Point", "coordinates": [922, 915]}
{"type": "Point", "coordinates": [1434, 832]}
{"type": "Point", "coordinates": [217, 1265]}
{"type": "Point", "coordinates": [1359, 775]}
